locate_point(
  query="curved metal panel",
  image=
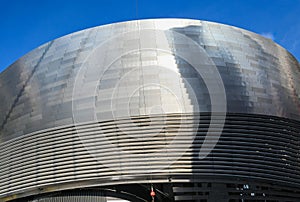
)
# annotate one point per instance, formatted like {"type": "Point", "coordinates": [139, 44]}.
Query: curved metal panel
{"type": "Point", "coordinates": [139, 100]}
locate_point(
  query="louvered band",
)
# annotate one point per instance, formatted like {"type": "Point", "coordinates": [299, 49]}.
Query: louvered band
{"type": "Point", "coordinates": [255, 147]}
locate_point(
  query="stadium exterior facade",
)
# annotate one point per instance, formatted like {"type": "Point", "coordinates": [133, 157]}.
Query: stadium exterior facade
{"type": "Point", "coordinates": [199, 111]}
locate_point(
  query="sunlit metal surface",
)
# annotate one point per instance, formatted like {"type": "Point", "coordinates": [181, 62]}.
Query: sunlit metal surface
{"type": "Point", "coordinates": [135, 102]}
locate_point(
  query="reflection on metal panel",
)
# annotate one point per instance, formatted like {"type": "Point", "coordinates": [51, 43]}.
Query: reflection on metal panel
{"type": "Point", "coordinates": [259, 76]}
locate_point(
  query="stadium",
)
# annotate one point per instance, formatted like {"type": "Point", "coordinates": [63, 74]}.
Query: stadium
{"type": "Point", "coordinates": [152, 110]}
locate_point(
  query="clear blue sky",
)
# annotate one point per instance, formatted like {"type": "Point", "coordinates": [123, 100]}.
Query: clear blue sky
{"type": "Point", "coordinates": [26, 24]}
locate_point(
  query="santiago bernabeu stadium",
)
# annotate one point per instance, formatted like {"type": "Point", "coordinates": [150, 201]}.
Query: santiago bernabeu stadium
{"type": "Point", "coordinates": [152, 110]}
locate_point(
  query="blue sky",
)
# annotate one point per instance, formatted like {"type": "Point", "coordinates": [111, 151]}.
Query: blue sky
{"type": "Point", "coordinates": [24, 25]}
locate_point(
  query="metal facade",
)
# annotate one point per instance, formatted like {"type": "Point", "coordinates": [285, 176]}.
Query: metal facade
{"type": "Point", "coordinates": [162, 101]}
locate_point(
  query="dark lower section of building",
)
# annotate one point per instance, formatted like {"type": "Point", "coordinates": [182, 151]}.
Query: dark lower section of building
{"type": "Point", "coordinates": [242, 191]}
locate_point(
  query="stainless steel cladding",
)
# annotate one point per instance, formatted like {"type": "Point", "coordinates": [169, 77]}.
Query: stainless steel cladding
{"type": "Point", "coordinates": [185, 103]}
